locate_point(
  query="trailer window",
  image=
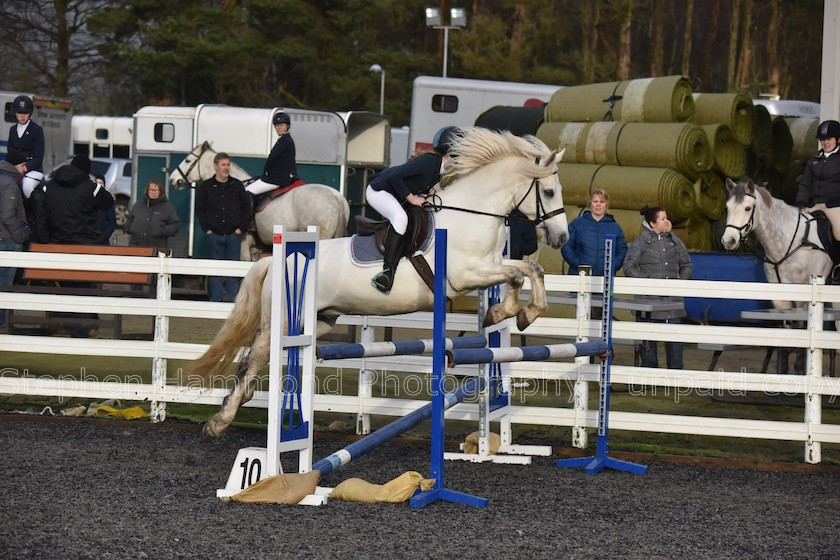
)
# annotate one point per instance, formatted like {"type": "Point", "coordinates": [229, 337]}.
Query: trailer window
{"type": "Point", "coordinates": [122, 151]}
{"type": "Point", "coordinates": [444, 103]}
{"type": "Point", "coordinates": [8, 114]}
{"type": "Point", "coordinates": [164, 132]}
{"type": "Point", "coordinates": [101, 133]}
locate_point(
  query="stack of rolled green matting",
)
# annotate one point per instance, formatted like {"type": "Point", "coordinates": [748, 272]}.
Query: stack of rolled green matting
{"type": "Point", "coordinates": [762, 132]}
{"type": "Point", "coordinates": [710, 195]}
{"type": "Point", "coordinates": [629, 187]}
{"type": "Point", "coordinates": [518, 120]}
{"type": "Point", "coordinates": [733, 109]}
{"type": "Point", "coordinates": [729, 157]}
{"type": "Point", "coordinates": [664, 99]}
{"type": "Point", "coordinates": [782, 146]}
{"type": "Point", "coordinates": [695, 232]}
{"type": "Point", "coordinates": [803, 131]}
{"type": "Point", "coordinates": [680, 146]}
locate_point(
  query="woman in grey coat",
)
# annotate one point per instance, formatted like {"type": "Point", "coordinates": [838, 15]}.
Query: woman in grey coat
{"type": "Point", "coordinates": [152, 219]}
{"type": "Point", "coordinates": [658, 253]}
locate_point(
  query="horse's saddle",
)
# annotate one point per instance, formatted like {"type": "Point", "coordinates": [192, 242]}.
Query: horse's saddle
{"type": "Point", "coordinates": [829, 242]}
{"type": "Point", "coordinates": [368, 245]}
{"type": "Point", "coordinates": [265, 199]}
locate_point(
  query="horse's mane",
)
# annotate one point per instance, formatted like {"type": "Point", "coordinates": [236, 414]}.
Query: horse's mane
{"type": "Point", "coordinates": [740, 191]}
{"type": "Point", "coordinates": [475, 147]}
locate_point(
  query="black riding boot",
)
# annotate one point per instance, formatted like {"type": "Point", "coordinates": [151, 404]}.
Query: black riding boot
{"type": "Point", "coordinates": [384, 280]}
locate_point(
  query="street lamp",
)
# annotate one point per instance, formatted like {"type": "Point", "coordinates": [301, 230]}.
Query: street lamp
{"type": "Point", "coordinates": [376, 69]}
{"type": "Point", "coordinates": [457, 20]}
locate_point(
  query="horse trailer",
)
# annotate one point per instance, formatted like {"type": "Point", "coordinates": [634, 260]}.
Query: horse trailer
{"type": "Point", "coordinates": [53, 114]}
{"type": "Point", "coordinates": [103, 137]}
{"type": "Point", "coordinates": [438, 102]}
{"type": "Point", "coordinates": [341, 150]}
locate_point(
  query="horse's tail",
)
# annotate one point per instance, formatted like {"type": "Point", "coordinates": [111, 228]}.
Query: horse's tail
{"type": "Point", "coordinates": [240, 328]}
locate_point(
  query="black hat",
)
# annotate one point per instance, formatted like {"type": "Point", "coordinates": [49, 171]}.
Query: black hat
{"type": "Point", "coordinates": [15, 157]}
{"type": "Point", "coordinates": [23, 104]}
{"type": "Point", "coordinates": [280, 118]}
{"type": "Point", "coordinates": [82, 162]}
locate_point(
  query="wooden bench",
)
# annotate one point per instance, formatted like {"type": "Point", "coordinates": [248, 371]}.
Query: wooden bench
{"type": "Point", "coordinates": [82, 283]}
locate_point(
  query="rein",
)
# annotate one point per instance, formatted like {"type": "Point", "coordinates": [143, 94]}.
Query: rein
{"type": "Point", "coordinates": [203, 148]}
{"type": "Point", "coordinates": [436, 205]}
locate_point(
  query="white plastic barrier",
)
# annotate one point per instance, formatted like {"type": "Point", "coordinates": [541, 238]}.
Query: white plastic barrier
{"type": "Point", "coordinates": [812, 387]}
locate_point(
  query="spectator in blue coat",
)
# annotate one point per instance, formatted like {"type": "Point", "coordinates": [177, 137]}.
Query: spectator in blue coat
{"type": "Point", "coordinates": [586, 237]}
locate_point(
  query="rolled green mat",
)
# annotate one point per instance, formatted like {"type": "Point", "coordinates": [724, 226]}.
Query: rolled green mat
{"type": "Point", "coordinates": [729, 158]}
{"type": "Point", "coordinates": [683, 147]}
{"type": "Point", "coordinates": [695, 232]}
{"type": "Point", "coordinates": [733, 109]}
{"type": "Point", "coordinates": [803, 131]}
{"type": "Point", "coordinates": [663, 99]}
{"type": "Point", "coordinates": [518, 120]}
{"type": "Point", "coordinates": [762, 131]}
{"type": "Point", "coordinates": [710, 195]}
{"type": "Point", "coordinates": [629, 187]}
{"type": "Point", "coordinates": [782, 146]}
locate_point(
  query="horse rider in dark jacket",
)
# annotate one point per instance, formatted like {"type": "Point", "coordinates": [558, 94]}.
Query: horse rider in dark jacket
{"type": "Point", "coordinates": [68, 209]}
{"type": "Point", "coordinates": [820, 185]}
{"type": "Point", "coordinates": [280, 168]}
{"type": "Point", "coordinates": [396, 186]}
{"type": "Point", "coordinates": [26, 135]}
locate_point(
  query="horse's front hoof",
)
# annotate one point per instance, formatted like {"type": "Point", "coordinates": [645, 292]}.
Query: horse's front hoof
{"type": "Point", "coordinates": [522, 320]}
{"type": "Point", "coordinates": [211, 431]}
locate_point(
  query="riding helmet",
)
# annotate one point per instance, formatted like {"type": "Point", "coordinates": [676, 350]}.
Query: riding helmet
{"type": "Point", "coordinates": [280, 118]}
{"type": "Point", "coordinates": [23, 104]}
{"type": "Point", "coordinates": [443, 139]}
{"type": "Point", "coordinates": [828, 129]}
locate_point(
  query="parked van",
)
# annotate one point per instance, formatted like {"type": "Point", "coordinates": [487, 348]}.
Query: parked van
{"type": "Point", "coordinates": [103, 137]}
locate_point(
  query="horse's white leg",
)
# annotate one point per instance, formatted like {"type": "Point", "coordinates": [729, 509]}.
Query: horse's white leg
{"type": "Point", "coordinates": [243, 387]}
{"type": "Point", "coordinates": [538, 302]}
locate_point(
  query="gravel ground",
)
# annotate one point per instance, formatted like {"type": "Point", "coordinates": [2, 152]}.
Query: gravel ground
{"type": "Point", "coordinates": [75, 489]}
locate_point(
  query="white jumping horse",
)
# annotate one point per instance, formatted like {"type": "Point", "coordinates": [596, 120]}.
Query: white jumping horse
{"type": "Point", "coordinates": [490, 174]}
{"type": "Point", "coordinates": [311, 204]}
{"type": "Point", "coordinates": [793, 250]}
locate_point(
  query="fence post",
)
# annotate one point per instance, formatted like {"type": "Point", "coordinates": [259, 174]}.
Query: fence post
{"type": "Point", "coordinates": [580, 438]}
{"type": "Point", "coordinates": [813, 370]}
{"type": "Point", "coordinates": [157, 409]}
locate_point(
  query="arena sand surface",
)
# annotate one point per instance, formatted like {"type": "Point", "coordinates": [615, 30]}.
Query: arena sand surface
{"type": "Point", "coordinates": [76, 489]}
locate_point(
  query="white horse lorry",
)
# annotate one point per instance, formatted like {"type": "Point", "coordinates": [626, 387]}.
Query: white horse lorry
{"type": "Point", "coordinates": [342, 150]}
{"type": "Point", "coordinates": [53, 114]}
{"type": "Point", "coordinates": [438, 102]}
{"type": "Point", "coordinates": [103, 137]}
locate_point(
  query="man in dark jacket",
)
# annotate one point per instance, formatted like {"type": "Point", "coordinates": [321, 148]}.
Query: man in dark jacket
{"type": "Point", "coordinates": [13, 227]}
{"type": "Point", "coordinates": [223, 209]}
{"type": "Point", "coordinates": [68, 209]}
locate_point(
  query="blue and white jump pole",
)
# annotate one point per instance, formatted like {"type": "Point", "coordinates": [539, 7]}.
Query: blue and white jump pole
{"type": "Point", "coordinates": [593, 465]}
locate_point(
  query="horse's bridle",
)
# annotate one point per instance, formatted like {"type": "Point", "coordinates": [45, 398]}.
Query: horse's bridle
{"type": "Point", "coordinates": [745, 230]}
{"type": "Point", "coordinates": [540, 207]}
{"type": "Point", "coordinates": [202, 148]}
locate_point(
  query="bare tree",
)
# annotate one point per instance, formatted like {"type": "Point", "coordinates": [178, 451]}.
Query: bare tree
{"type": "Point", "coordinates": [773, 48]}
{"type": "Point", "coordinates": [686, 59]}
{"type": "Point", "coordinates": [625, 19]}
{"type": "Point", "coordinates": [590, 18]}
{"type": "Point", "coordinates": [49, 39]}
{"type": "Point", "coordinates": [657, 46]}
{"type": "Point", "coordinates": [745, 54]}
{"type": "Point", "coordinates": [734, 25]}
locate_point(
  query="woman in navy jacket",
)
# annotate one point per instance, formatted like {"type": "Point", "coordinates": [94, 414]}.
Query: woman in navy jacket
{"type": "Point", "coordinates": [280, 168]}
{"type": "Point", "coordinates": [26, 135]}
{"type": "Point", "coordinates": [586, 237]}
{"type": "Point", "coordinates": [406, 183]}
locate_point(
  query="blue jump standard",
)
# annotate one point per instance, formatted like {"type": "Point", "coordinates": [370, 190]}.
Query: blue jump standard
{"type": "Point", "coordinates": [593, 465]}
{"type": "Point", "coordinates": [394, 348]}
{"type": "Point", "coordinates": [439, 490]}
{"type": "Point", "coordinates": [392, 430]}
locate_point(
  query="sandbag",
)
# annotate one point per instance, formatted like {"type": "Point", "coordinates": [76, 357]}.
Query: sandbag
{"type": "Point", "coordinates": [803, 132]}
{"type": "Point", "coordinates": [279, 489]}
{"type": "Point", "coordinates": [398, 490]}
{"type": "Point", "coordinates": [728, 154]}
{"type": "Point", "coordinates": [629, 188]}
{"type": "Point", "coordinates": [663, 99]}
{"type": "Point", "coordinates": [732, 109]}
{"type": "Point", "coordinates": [683, 147]}
{"type": "Point", "coordinates": [471, 443]}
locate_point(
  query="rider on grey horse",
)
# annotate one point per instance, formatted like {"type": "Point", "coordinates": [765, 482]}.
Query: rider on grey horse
{"type": "Point", "coordinates": [280, 167]}
{"type": "Point", "coordinates": [820, 185]}
{"type": "Point", "coordinates": [408, 183]}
